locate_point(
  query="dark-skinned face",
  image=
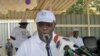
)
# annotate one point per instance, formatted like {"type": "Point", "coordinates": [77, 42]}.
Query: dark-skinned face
{"type": "Point", "coordinates": [24, 26]}
{"type": "Point", "coordinates": [45, 28]}
{"type": "Point", "coordinates": [75, 34]}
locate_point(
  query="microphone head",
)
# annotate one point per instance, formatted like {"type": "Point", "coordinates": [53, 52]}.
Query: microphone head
{"type": "Point", "coordinates": [76, 46]}
{"type": "Point", "coordinates": [64, 43]}
{"type": "Point", "coordinates": [46, 37]}
{"type": "Point", "coordinates": [82, 47]}
{"type": "Point", "coordinates": [66, 47]}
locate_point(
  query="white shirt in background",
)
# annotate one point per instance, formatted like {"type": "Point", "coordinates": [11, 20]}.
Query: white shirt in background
{"type": "Point", "coordinates": [20, 36]}
{"type": "Point", "coordinates": [77, 41]}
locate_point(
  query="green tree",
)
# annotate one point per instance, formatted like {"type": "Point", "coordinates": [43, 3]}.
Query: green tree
{"type": "Point", "coordinates": [76, 8]}
{"type": "Point", "coordinates": [96, 4]}
{"type": "Point", "coordinates": [80, 7]}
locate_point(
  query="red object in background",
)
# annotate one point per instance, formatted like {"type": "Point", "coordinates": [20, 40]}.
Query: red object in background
{"type": "Point", "coordinates": [56, 38]}
{"type": "Point", "coordinates": [27, 1]}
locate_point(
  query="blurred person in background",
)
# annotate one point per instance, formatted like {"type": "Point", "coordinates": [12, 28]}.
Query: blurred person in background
{"type": "Point", "coordinates": [76, 39]}
{"type": "Point", "coordinates": [20, 33]}
{"type": "Point", "coordinates": [9, 48]}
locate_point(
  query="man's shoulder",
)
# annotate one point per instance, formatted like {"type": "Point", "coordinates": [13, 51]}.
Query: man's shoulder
{"type": "Point", "coordinates": [16, 28]}
{"type": "Point", "coordinates": [80, 37]}
{"type": "Point", "coordinates": [32, 38]}
{"type": "Point", "coordinates": [29, 41]}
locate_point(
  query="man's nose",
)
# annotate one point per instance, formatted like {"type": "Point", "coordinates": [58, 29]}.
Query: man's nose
{"type": "Point", "coordinates": [45, 27]}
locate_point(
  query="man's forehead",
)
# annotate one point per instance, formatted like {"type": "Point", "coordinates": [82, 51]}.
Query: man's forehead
{"type": "Point", "coordinates": [44, 23]}
{"type": "Point", "coordinates": [75, 31]}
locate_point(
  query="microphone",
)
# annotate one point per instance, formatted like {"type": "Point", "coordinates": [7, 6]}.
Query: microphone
{"type": "Point", "coordinates": [69, 51]}
{"type": "Point", "coordinates": [46, 38]}
{"type": "Point", "coordinates": [83, 50]}
{"type": "Point", "coordinates": [65, 46]}
{"type": "Point", "coordinates": [76, 46]}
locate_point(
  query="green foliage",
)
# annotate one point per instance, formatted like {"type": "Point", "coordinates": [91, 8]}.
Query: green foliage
{"type": "Point", "coordinates": [79, 8]}
{"type": "Point", "coordinates": [96, 4]}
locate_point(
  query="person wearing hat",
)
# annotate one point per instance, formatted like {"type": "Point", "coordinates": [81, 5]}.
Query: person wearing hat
{"type": "Point", "coordinates": [20, 33]}
{"type": "Point", "coordinates": [42, 42]}
{"type": "Point", "coordinates": [76, 39]}
{"type": "Point", "coordinates": [9, 48]}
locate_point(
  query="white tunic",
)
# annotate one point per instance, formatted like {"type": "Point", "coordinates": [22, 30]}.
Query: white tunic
{"type": "Point", "coordinates": [20, 35]}
{"type": "Point", "coordinates": [35, 47]}
{"type": "Point", "coordinates": [77, 41]}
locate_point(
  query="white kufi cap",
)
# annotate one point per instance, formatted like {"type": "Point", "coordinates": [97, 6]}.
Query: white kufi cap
{"type": "Point", "coordinates": [76, 29]}
{"type": "Point", "coordinates": [45, 16]}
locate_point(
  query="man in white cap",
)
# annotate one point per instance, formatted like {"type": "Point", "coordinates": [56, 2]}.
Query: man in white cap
{"type": "Point", "coordinates": [76, 39]}
{"type": "Point", "coordinates": [42, 42]}
{"type": "Point", "coordinates": [20, 33]}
